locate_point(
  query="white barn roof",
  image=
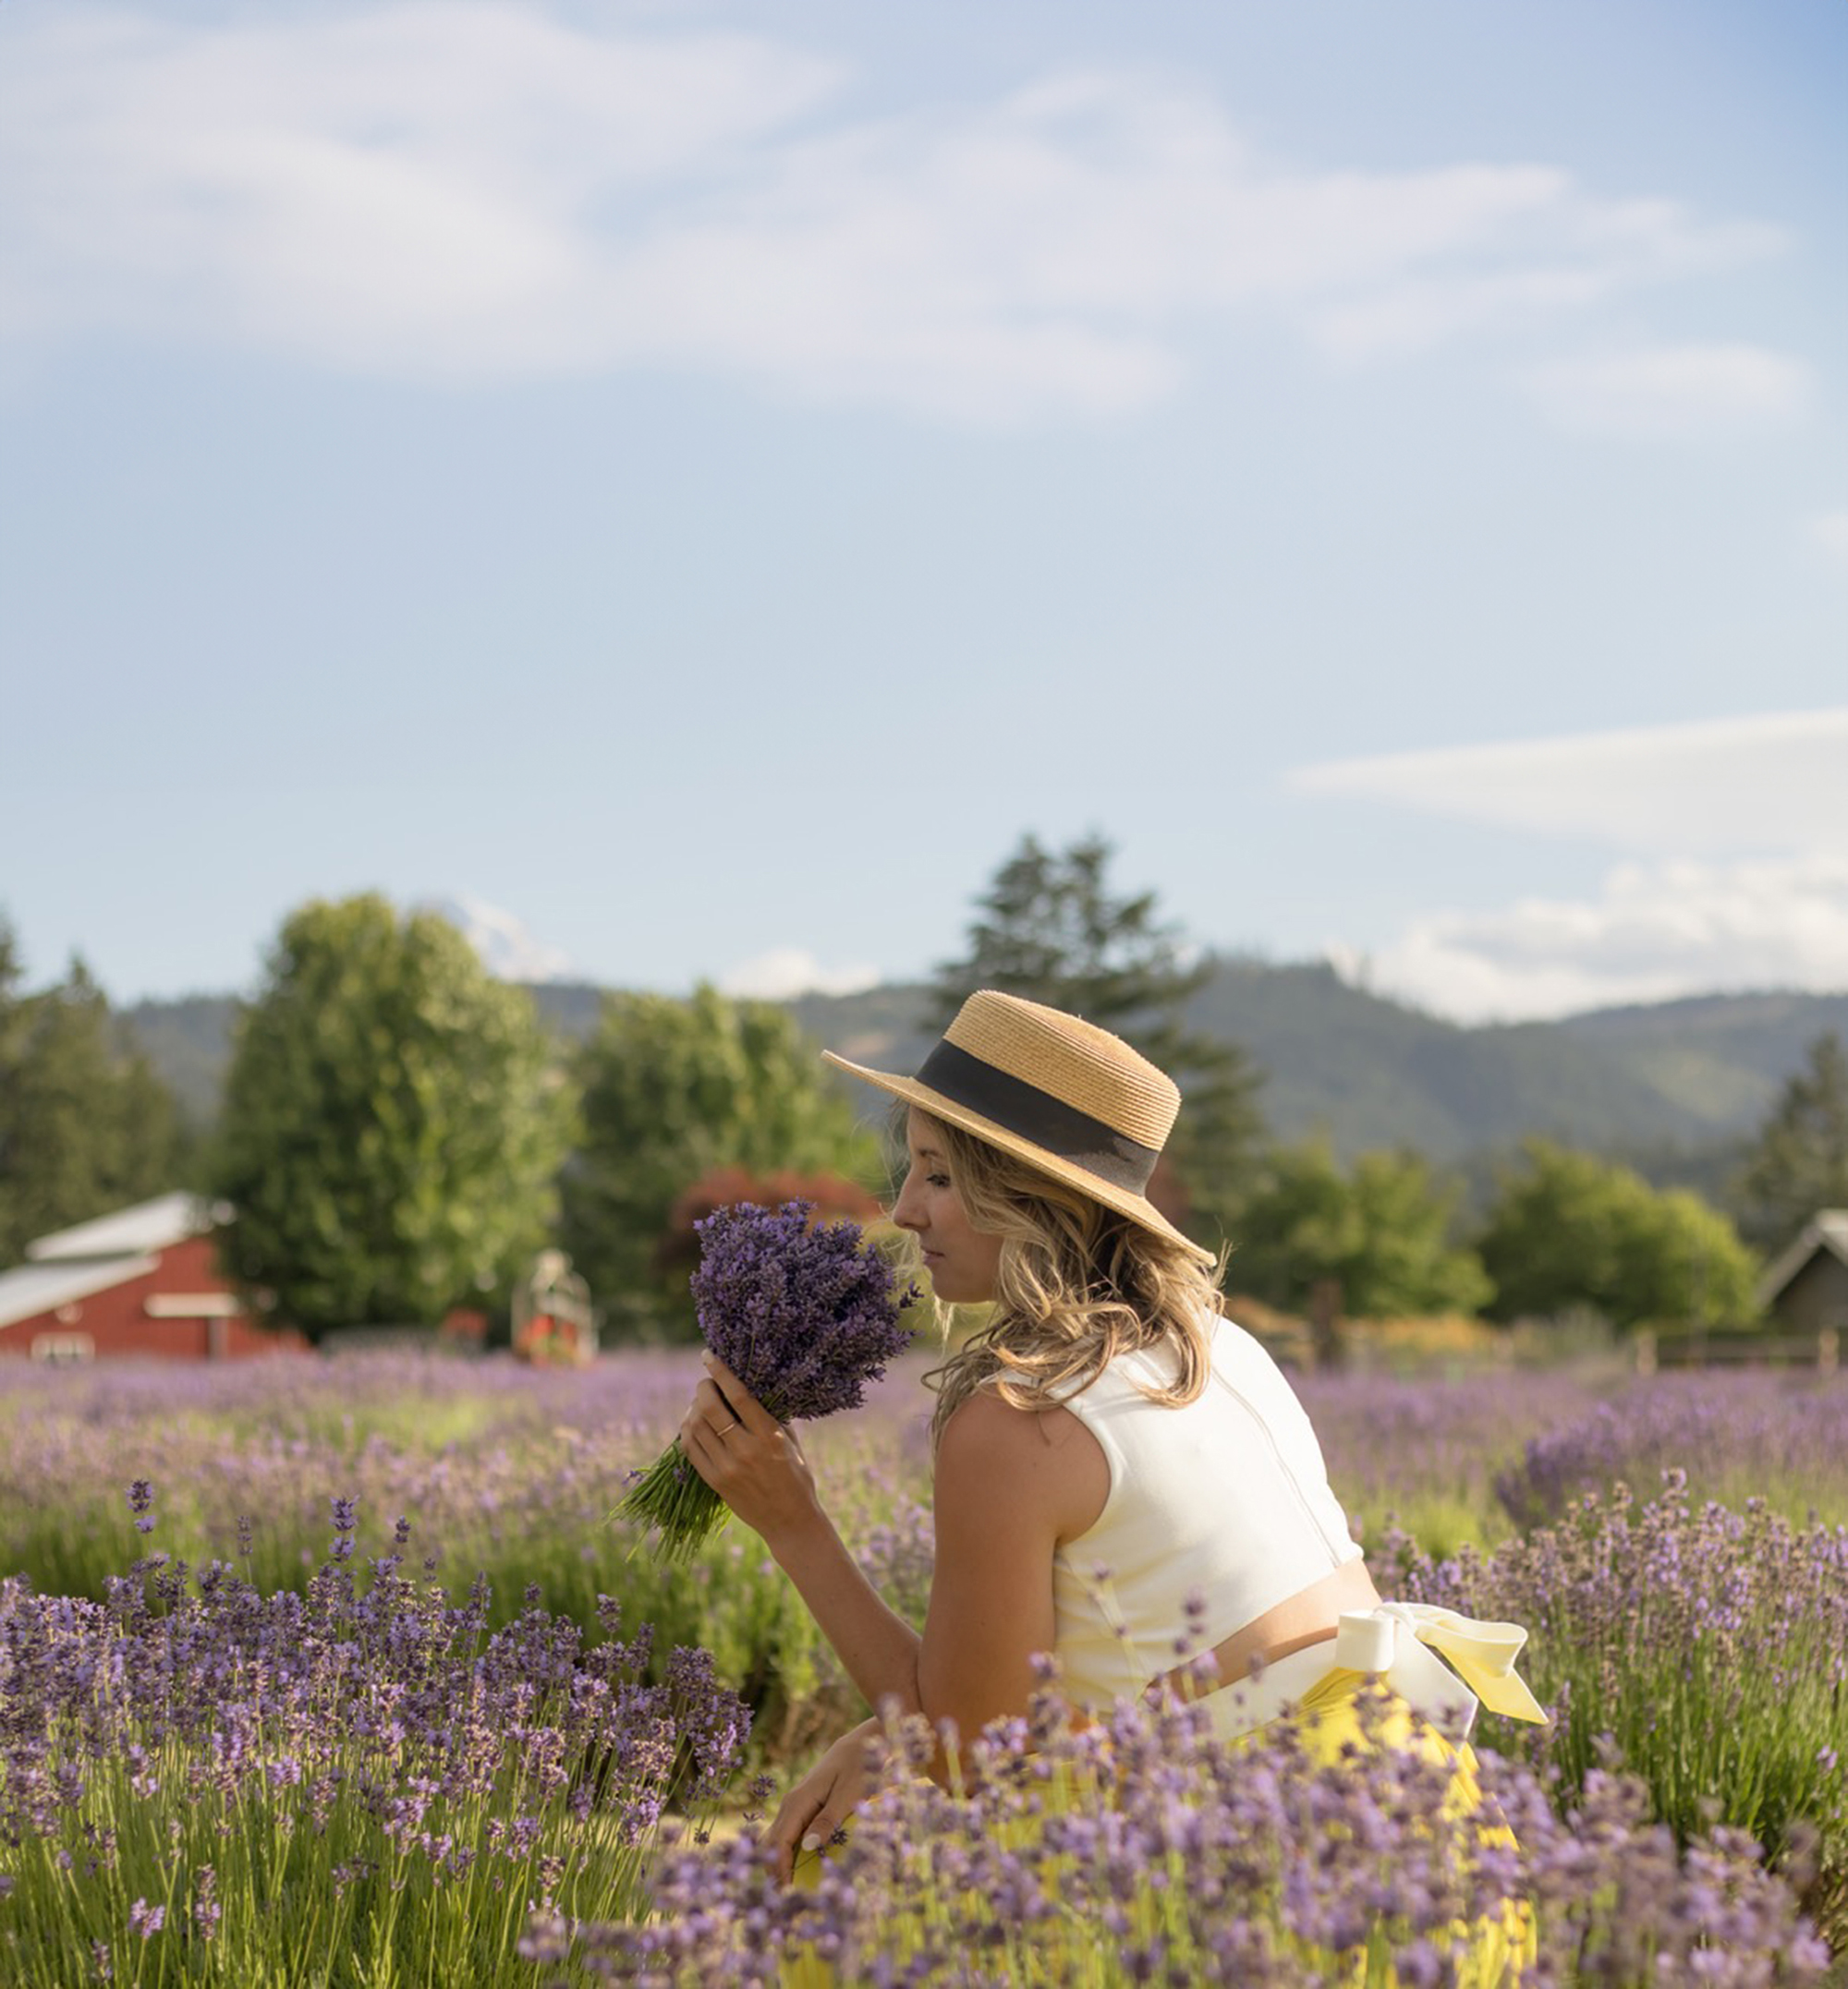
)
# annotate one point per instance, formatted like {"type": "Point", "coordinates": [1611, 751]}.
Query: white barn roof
{"type": "Point", "coordinates": [157, 1225]}
{"type": "Point", "coordinates": [37, 1288]}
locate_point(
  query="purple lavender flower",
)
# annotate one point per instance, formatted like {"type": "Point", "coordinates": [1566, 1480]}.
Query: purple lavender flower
{"type": "Point", "coordinates": [346, 1518]}
{"type": "Point", "coordinates": [1161, 1854]}
{"type": "Point", "coordinates": [141, 1504]}
{"type": "Point", "coordinates": [803, 1314]}
{"type": "Point", "coordinates": [394, 1706]}
{"type": "Point", "coordinates": [206, 1911]}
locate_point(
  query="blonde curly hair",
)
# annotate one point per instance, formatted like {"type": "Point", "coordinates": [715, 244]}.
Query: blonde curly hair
{"type": "Point", "coordinates": [1077, 1285]}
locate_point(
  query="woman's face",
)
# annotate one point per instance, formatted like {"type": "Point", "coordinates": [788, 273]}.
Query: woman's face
{"type": "Point", "coordinates": [963, 1262]}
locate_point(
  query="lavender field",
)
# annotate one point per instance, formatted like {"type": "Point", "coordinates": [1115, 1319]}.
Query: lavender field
{"type": "Point", "coordinates": [336, 1672]}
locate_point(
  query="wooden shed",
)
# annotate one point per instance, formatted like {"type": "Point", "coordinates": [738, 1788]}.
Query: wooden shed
{"type": "Point", "coordinates": [1806, 1287]}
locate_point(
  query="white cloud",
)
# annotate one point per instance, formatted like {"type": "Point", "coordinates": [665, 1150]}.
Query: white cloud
{"type": "Point", "coordinates": [1773, 782]}
{"type": "Point", "coordinates": [1555, 252]}
{"type": "Point", "coordinates": [1828, 533]}
{"type": "Point", "coordinates": [1739, 876]}
{"type": "Point", "coordinates": [496, 191]}
{"type": "Point", "coordinates": [787, 971]}
{"type": "Point", "coordinates": [1672, 390]}
{"type": "Point", "coordinates": [1654, 932]}
{"type": "Point", "coordinates": [502, 941]}
{"type": "Point", "coordinates": [413, 187]}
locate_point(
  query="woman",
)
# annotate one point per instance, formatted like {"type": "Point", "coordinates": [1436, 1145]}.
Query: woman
{"type": "Point", "coordinates": [1109, 1418]}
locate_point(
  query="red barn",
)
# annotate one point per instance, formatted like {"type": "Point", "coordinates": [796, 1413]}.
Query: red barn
{"type": "Point", "coordinates": [144, 1280]}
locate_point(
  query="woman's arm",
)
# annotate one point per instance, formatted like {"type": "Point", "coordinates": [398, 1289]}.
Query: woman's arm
{"type": "Point", "coordinates": [757, 1467]}
{"type": "Point", "coordinates": [1011, 1484]}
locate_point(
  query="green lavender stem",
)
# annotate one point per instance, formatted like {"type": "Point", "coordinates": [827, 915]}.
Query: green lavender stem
{"type": "Point", "coordinates": [673, 1500]}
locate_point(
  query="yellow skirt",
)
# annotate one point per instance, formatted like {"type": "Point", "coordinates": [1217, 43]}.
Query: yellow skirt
{"type": "Point", "coordinates": [1500, 1946]}
{"type": "Point", "coordinates": [1331, 1725]}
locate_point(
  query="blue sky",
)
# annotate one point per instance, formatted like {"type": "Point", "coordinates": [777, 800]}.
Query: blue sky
{"type": "Point", "coordinates": [700, 482]}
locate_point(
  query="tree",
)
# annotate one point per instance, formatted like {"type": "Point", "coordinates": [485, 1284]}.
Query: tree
{"type": "Point", "coordinates": [1050, 929]}
{"type": "Point", "coordinates": [671, 1092]}
{"type": "Point", "coordinates": [1382, 1230]}
{"type": "Point", "coordinates": [1799, 1161]}
{"type": "Point", "coordinates": [1567, 1230]}
{"type": "Point", "coordinates": [393, 1123]}
{"type": "Point", "coordinates": [85, 1125]}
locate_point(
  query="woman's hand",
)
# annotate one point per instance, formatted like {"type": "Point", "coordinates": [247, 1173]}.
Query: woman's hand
{"type": "Point", "coordinates": [823, 1800]}
{"type": "Point", "coordinates": [747, 1456]}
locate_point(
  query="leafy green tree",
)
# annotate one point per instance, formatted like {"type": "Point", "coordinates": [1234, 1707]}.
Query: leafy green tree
{"type": "Point", "coordinates": [1050, 928]}
{"type": "Point", "coordinates": [1798, 1164]}
{"type": "Point", "coordinates": [1567, 1230]}
{"type": "Point", "coordinates": [85, 1125]}
{"type": "Point", "coordinates": [672, 1091]}
{"type": "Point", "coordinates": [1381, 1230]}
{"type": "Point", "coordinates": [393, 1123]}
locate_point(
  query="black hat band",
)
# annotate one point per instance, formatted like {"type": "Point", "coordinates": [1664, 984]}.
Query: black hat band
{"type": "Point", "coordinates": [1023, 1108]}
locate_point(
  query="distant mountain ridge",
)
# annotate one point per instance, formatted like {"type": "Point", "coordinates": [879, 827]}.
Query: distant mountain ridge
{"type": "Point", "coordinates": [1671, 1085]}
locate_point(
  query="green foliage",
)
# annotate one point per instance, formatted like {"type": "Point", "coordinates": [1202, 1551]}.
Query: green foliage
{"type": "Point", "coordinates": [1799, 1163]}
{"type": "Point", "coordinates": [1567, 1230]}
{"type": "Point", "coordinates": [85, 1125]}
{"type": "Point", "coordinates": [392, 1125]}
{"type": "Point", "coordinates": [1671, 1088]}
{"type": "Point", "coordinates": [1381, 1230]}
{"type": "Point", "coordinates": [672, 1091]}
{"type": "Point", "coordinates": [1050, 929]}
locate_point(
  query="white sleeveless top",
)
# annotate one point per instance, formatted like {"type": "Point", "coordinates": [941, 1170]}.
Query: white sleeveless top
{"type": "Point", "coordinates": [1226, 1499]}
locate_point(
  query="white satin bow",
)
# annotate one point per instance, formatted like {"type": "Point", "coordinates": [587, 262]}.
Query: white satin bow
{"type": "Point", "coordinates": [1481, 1654]}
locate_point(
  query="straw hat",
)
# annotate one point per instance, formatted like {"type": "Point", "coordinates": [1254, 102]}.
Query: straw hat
{"type": "Point", "coordinates": [1068, 1098]}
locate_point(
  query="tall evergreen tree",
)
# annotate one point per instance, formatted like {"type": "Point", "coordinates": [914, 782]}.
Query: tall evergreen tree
{"type": "Point", "coordinates": [1798, 1164]}
{"type": "Point", "coordinates": [1050, 928]}
{"type": "Point", "coordinates": [393, 1123]}
{"type": "Point", "coordinates": [85, 1125]}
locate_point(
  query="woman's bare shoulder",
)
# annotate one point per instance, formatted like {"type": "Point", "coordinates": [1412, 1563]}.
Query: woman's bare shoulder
{"type": "Point", "coordinates": [992, 1450]}
{"type": "Point", "coordinates": [986, 1423]}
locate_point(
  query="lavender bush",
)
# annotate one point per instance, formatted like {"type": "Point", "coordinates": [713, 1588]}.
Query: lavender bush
{"type": "Point", "coordinates": [1707, 1644]}
{"type": "Point", "coordinates": [1260, 1864]}
{"type": "Point", "coordinates": [504, 1470]}
{"type": "Point", "coordinates": [359, 1784]}
{"type": "Point", "coordinates": [1476, 1457]}
{"type": "Point", "coordinates": [1425, 1454]}
{"type": "Point", "coordinates": [803, 1314]}
{"type": "Point", "coordinates": [1710, 1647]}
{"type": "Point", "coordinates": [1740, 1437]}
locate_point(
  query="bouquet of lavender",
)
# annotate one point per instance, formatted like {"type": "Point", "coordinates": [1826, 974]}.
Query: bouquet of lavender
{"type": "Point", "coordinates": [802, 1313]}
